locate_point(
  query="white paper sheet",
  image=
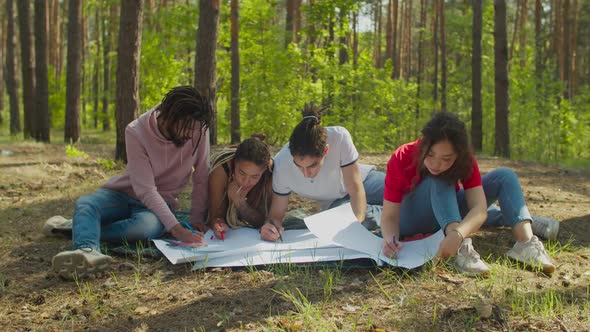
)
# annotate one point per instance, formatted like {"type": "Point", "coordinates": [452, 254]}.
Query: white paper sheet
{"type": "Point", "coordinates": [339, 225]}
{"type": "Point", "coordinates": [242, 240]}
{"type": "Point", "coordinates": [282, 257]}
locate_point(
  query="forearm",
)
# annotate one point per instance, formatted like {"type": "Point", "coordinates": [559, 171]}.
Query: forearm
{"type": "Point", "coordinates": [390, 219]}
{"type": "Point", "coordinates": [358, 202]}
{"type": "Point", "coordinates": [472, 222]}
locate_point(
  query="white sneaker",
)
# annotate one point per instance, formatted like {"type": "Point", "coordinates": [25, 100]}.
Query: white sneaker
{"type": "Point", "coordinates": [468, 261]}
{"type": "Point", "coordinates": [80, 263]}
{"type": "Point", "coordinates": [57, 225]}
{"type": "Point", "coordinates": [533, 254]}
{"type": "Point", "coordinates": [545, 227]}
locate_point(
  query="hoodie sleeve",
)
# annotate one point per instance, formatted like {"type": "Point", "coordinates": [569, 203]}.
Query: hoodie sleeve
{"type": "Point", "coordinates": [141, 175]}
{"type": "Point", "coordinates": [200, 181]}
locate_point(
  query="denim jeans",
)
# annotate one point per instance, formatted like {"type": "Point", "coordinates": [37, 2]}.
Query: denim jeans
{"type": "Point", "coordinates": [434, 203]}
{"type": "Point", "coordinates": [373, 184]}
{"type": "Point", "coordinates": [112, 216]}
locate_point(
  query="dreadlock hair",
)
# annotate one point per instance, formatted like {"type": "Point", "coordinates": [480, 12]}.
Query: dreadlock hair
{"type": "Point", "coordinates": [254, 150]}
{"type": "Point", "coordinates": [181, 109]}
{"type": "Point", "coordinates": [445, 126]}
{"type": "Point", "coordinates": [309, 138]}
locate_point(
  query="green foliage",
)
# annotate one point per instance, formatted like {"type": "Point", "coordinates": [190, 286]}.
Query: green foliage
{"type": "Point", "coordinates": [72, 152]}
{"type": "Point", "coordinates": [276, 79]}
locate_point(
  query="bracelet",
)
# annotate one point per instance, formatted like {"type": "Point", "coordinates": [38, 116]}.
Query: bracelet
{"type": "Point", "coordinates": [462, 237]}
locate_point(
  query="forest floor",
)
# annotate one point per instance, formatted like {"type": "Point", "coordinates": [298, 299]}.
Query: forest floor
{"type": "Point", "coordinates": [38, 181]}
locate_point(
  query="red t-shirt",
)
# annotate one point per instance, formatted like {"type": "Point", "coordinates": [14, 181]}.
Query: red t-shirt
{"type": "Point", "coordinates": [402, 168]}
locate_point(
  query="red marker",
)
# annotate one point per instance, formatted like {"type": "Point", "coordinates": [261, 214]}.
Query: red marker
{"type": "Point", "coordinates": [221, 235]}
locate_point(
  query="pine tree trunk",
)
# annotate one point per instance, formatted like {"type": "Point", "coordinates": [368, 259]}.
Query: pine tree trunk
{"type": "Point", "coordinates": [435, 47]}
{"type": "Point", "coordinates": [343, 40]}
{"type": "Point", "coordinates": [523, 39]}
{"type": "Point", "coordinates": [394, 42]}
{"type": "Point", "coordinates": [42, 89]}
{"type": "Point", "coordinates": [53, 36]}
{"type": "Point", "coordinates": [127, 100]}
{"type": "Point", "coordinates": [443, 58]}
{"type": "Point", "coordinates": [389, 32]}
{"type": "Point", "coordinates": [377, 53]}
{"type": "Point", "coordinates": [574, 46]}
{"type": "Point", "coordinates": [355, 40]}
{"type": "Point", "coordinates": [420, 62]}
{"type": "Point", "coordinates": [74, 64]}
{"type": "Point", "coordinates": [11, 83]}
{"type": "Point", "coordinates": [2, 57]}
{"type": "Point", "coordinates": [28, 66]}
{"type": "Point", "coordinates": [476, 101]}
{"type": "Point", "coordinates": [502, 146]}
{"type": "Point", "coordinates": [205, 60]}
{"type": "Point", "coordinates": [289, 22]}
{"type": "Point", "coordinates": [235, 72]}
{"type": "Point", "coordinates": [96, 75]}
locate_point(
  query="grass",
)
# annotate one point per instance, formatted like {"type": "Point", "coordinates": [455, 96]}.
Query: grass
{"type": "Point", "coordinates": [284, 297]}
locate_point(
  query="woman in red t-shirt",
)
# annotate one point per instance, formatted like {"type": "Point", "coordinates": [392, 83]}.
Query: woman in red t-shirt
{"type": "Point", "coordinates": [434, 182]}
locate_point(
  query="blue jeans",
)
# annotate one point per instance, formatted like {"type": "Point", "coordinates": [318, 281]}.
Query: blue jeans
{"type": "Point", "coordinates": [434, 203]}
{"type": "Point", "coordinates": [112, 216]}
{"type": "Point", "coordinates": [373, 184]}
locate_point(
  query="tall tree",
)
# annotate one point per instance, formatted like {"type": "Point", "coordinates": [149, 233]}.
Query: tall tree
{"type": "Point", "coordinates": [421, 28]}
{"type": "Point", "coordinates": [42, 120]}
{"type": "Point", "coordinates": [443, 57]}
{"type": "Point", "coordinates": [11, 83]}
{"type": "Point", "coordinates": [54, 35]}
{"type": "Point", "coordinates": [377, 58]}
{"type": "Point", "coordinates": [2, 51]}
{"type": "Point", "coordinates": [74, 64]}
{"type": "Point", "coordinates": [394, 42]}
{"type": "Point", "coordinates": [502, 146]}
{"type": "Point", "coordinates": [573, 38]}
{"type": "Point", "coordinates": [96, 65]}
{"type": "Point", "coordinates": [28, 65]}
{"type": "Point", "coordinates": [205, 60]}
{"type": "Point", "coordinates": [235, 72]}
{"type": "Point", "coordinates": [127, 100]}
{"type": "Point", "coordinates": [389, 32]}
{"type": "Point", "coordinates": [476, 102]}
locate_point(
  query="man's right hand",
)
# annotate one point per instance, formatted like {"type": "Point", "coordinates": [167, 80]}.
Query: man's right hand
{"type": "Point", "coordinates": [270, 232]}
{"type": "Point", "coordinates": [184, 235]}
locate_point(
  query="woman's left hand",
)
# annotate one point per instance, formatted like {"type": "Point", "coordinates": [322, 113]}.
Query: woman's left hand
{"type": "Point", "coordinates": [450, 245]}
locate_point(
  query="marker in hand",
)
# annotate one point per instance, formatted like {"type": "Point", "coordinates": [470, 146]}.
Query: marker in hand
{"type": "Point", "coordinates": [188, 226]}
{"type": "Point", "coordinates": [277, 227]}
{"type": "Point", "coordinates": [221, 235]}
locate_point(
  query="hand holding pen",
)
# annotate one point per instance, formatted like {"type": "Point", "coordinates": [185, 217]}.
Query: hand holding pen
{"type": "Point", "coordinates": [391, 247]}
{"type": "Point", "coordinates": [270, 231]}
{"type": "Point", "coordinates": [219, 229]}
{"type": "Point", "coordinates": [183, 232]}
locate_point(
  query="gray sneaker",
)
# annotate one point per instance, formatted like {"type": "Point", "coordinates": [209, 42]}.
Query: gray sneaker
{"type": "Point", "coordinates": [468, 261]}
{"type": "Point", "coordinates": [533, 254]}
{"type": "Point", "coordinates": [57, 225]}
{"type": "Point", "coordinates": [545, 227]}
{"type": "Point", "coordinates": [80, 263]}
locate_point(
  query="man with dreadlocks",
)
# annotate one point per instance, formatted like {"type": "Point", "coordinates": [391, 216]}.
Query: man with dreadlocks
{"type": "Point", "coordinates": [163, 146]}
{"type": "Point", "coordinates": [321, 163]}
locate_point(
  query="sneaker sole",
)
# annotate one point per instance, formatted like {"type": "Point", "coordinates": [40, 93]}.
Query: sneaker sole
{"type": "Point", "coordinates": [76, 266]}
{"type": "Point", "coordinates": [547, 269]}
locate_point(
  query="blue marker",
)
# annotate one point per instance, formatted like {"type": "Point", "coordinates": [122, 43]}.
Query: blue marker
{"type": "Point", "coordinates": [188, 226]}
{"type": "Point", "coordinates": [394, 241]}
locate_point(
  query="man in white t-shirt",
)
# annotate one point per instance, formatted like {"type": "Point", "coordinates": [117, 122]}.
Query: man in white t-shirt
{"type": "Point", "coordinates": [321, 163]}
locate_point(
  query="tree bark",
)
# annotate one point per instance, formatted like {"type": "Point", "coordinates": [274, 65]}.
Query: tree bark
{"type": "Point", "coordinates": [42, 89]}
{"type": "Point", "coordinates": [394, 42]}
{"type": "Point", "coordinates": [389, 32]}
{"type": "Point", "coordinates": [443, 58]}
{"type": "Point", "coordinates": [11, 79]}
{"type": "Point", "coordinates": [476, 101]}
{"type": "Point", "coordinates": [28, 66]}
{"type": "Point", "coordinates": [96, 73]}
{"type": "Point", "coordinates": [235, 72]}
{"type": "Point", "coordinates": [129, 52]}
{"type": "Point", "coordinates": [502, 146]}
{"type": "Point", "coordinates": [54, 36]}
{"type": "Point", "coordinates": [74, 64]}
{"type": "Point", "coordinates": [205, 60]}
{"type": "Point", "coordinates": [574, 46]}
{"type": "Point", "coordinates": [377, 52]}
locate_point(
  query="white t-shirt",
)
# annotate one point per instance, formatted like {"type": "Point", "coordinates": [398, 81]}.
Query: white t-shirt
{"type": "Point", "coordinates": [328, 184]}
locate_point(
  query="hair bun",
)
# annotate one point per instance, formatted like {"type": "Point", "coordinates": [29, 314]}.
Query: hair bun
{"type": "Point", "coordinates": [260, 136]}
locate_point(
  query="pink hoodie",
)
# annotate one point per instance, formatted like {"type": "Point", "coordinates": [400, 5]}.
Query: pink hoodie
{"type": "Point", "coordinates": [157, 170]}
